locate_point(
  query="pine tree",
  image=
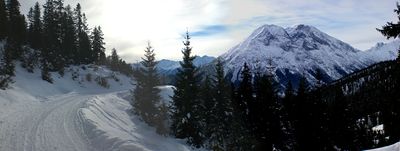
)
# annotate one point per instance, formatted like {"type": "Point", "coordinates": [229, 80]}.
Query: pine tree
{"type": "Point", "coordinates": [46, 71]}
{"type": "Point", "coordinates": [391, 126]}
{"type": "Point", "coordinates": [3, 20]}
{"type": "Point", "coordinates": [222, 111]}
{"type": "Point", "coordinates": [186, 122]}
{"type": "Point", "coordinates": [68, 36]}
{"type": "Point", "coordinates": [50, 36]}
{"type": "Point", "coordinates": [84, 48]}
{"type": "Point", "coordinates": [288, 100]}
{"type": "Point", "coordinates": [16, 28]}
{"type": "Point", "coordinates": [265, 114]}
{"type": "Point", "coordinates": [6, 66]}
{"type": "Point", "coordinates": [341, 121]}
{"type": "Point", "coordinates": [207, 110]}
{"type": "Point", "coordinates": [146, 94]}
{"type": "Point", "coordinates": [114, 60]}
{"type": "Point", "coordinates": [35, 27]}
{"type": "Point", "coordinates": [301, 116]}
{"type": "Point", "coordinates": [60, 52]}
{"type": "Point", "coordinates": [84, 43]}
{"type": "Point", "coordinates": [78, 18]}
{"type": "Point", "coordinates": [245, 91]}
{"type": "Point", "coordinates": [241, 128]}
{"type": "Point", "coordinates": [98, 45]}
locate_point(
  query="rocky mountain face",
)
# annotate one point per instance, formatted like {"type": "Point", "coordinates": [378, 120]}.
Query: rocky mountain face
{"type": "Point", "coordinates": [294, 51]}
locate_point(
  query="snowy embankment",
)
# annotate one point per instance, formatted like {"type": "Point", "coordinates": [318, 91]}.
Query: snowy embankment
{"type": "Point", "coordinates": [74, 113]}
{"type": "Point", "coordinates": [109, 118]}
{"type": "Point", "coordinates": [394, 147]}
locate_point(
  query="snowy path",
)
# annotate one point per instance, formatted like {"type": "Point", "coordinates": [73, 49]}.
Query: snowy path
{"type": "Point", "coordinates": [76, 115]}
{"type": "Point", "coordinates": [50, 125]}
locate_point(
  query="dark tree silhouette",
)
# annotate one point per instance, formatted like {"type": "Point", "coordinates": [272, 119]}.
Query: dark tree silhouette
{"type": "Point", "coordinates": [3, 20]}
{"type": "Point", "coordinates": [146, 94]}
{"type": "Point", "coordinates": [186, 122]}
{"type": "Point", "coordinates": [98, 45]}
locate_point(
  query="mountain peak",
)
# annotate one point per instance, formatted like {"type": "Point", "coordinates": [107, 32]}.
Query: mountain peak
{"type": "Point", "coordinates": [268, 30]}
{"type": "Point", "coordinates": [295, 50]}
{"type": "Point", "coordinates": [305, 27]}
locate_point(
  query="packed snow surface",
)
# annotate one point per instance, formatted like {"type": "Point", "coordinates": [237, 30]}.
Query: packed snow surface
{"type": "Point", "coordinates": [75, 115]}
{"type": "Point", "coordinates": [394, 147]}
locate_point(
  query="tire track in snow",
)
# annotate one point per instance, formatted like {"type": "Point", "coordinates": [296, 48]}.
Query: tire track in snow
{"type": "Point", "coordinates": [45, 126]}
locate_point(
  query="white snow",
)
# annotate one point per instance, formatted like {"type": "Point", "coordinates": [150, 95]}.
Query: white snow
{"type": "Point", "coordinates": [378, 128]}
{"type": "Point", "coordinates": [75, 115]}
{"type": "Point", "coordinates": [394, 147]}
{"type": "Point", "coordinates": [382, 51]}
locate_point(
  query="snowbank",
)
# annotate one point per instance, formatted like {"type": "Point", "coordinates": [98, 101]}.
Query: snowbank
{"type": "Point", "coordinates": [394, 147]}
{"type": "Point", "coordinates": [112, 127]}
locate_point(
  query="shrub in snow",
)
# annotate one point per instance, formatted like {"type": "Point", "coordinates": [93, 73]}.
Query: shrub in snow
{"type": "Point", "coordinates": [102, 82]}
{"type": "Point", "coordinates": [75, 75]}
{"type": "Point", "coordinates": [29, 59]}
{"type": "Point", "coordinates": [89, 77]}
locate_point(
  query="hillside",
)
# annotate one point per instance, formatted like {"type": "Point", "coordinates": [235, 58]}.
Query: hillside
{"type": "Point", "coordinates": [74, 114]}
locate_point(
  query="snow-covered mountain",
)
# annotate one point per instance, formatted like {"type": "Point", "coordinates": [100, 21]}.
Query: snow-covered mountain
{"type": "Point", "coordinates": [169, 67]}
{"type": "Point", "coordinates": [295, 51]}
{"type": "Point", "coordinates": [382, 51]}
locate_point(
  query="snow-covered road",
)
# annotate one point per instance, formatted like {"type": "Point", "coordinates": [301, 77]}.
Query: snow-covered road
{"type": "Point", "coordinates": [51, 124]}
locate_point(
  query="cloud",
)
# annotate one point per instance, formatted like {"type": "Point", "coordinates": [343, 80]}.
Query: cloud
{"type": "Point", "coordinates": [218, 25]}
{"type": "Point", "coordinates": [210, 30]}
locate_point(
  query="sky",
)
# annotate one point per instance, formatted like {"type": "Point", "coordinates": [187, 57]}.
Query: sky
{"type": "Point", "coordinates": [218, 25]}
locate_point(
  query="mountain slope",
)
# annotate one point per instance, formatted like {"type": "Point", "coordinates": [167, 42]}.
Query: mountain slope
{"type": "Point", "coordinates": [382, 51]}
{"type": "Point", "coordinates": [169, 66]}
{"type": "Point", "coordinates": [294, 51]}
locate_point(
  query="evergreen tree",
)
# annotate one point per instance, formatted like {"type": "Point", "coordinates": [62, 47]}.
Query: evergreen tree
{"type": "Point", "coordinates": [241, 127]}
{"type": "Point", "coordinates": [265, 115]}
{"type": "Point", "coordinates": [288, 100]}
{"type": "Point", "coordinates": [6, 66]}
{"type": "Point", "coordinates": [80, 27]}
{"type": "Point", "coordinates": [301, 117]}
{"type": "Point", "coordinates": [50, 36]}
{"type": "Point", "coordinates": [84, 48]}
{"type": "Point", "coordinates": [46, 71]}
{"type": "Point", "coordinates": [222, 112]}
{"type": "Point", "coordinates": [3, 20]}
{"type": "Point", "coordinates": [60, 52]}
{"type": "Point", "coordinates": [146, 94]}
{"type": "Point", "coordinates": [341, 121]}
{"type": "Point", "coordinates": [391, 114]}
{"type": "Point", "coordinates": [84, 42]}
{"type": "Point", "coordinates": [186, 122]}
{"type": "Point", "coordinates": [207, 109]}
{"type": "Point", "coordinates": [114, 60]}
{"type": "Point", "coordinates": [68, 36]}
{"type": "Point", "coordinates": [16, 27]}
{"type": "Point", "coordinates": [98, 45]}
{"type": "Point", "coordinates": [35, 27]}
